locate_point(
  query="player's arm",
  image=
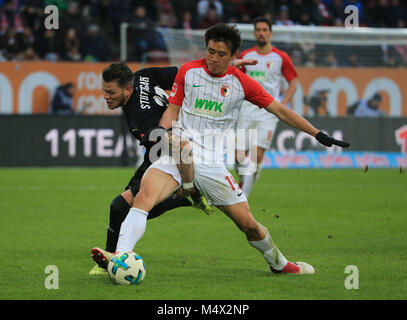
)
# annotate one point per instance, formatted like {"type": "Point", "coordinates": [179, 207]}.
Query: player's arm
{"type": "Point", "coordinates": [292, 87]}
{"type": "Point", "coordinates": [240, 63]}
{"type": "Point", "coordinates": [291, 118]}
{"type": "Point", "coordinates": [256, 94]}
{"type": "Point", "coordinates": [181, 149]}
{"type": "Point", "coordinates": [185, 165]}
{"type": "Point", "coordinates": [169, 116]}
{"type": "Point", "coordinates": [291, 76]}
{"type": "Point", "coordinates": [295, 120]}
{"type": "Point", "coordinates": [181, 146]}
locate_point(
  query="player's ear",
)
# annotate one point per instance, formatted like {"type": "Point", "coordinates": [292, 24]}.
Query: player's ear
{"type": "Point", "coordinates": [127, 91]}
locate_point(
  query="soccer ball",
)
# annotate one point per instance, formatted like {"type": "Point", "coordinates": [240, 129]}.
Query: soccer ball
{"type": "Point", "coordinates": [126, 268]}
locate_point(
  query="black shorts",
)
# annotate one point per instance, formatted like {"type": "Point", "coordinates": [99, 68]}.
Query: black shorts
{"type": "Point", "coordinates": [134, 183]}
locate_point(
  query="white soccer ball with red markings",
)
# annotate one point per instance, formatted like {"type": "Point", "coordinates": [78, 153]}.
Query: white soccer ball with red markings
{"type": "Point", "coordinates": [126, 268]}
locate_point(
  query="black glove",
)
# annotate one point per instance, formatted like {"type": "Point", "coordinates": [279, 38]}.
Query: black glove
{"type": "Point", "coordinates": [152, 135]}
{"type": "Point", "coordinates": [329, 141]}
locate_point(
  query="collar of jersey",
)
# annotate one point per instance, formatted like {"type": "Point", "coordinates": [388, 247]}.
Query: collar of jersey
{"type": "Point", "coordinates": [264, 54]}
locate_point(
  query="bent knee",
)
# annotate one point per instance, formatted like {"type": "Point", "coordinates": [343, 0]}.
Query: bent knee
{"type": "Point", "coordinates": [128, 196]}
{"type": "Point", "coordinates": [142, 197]}
{"type": "Point", "coordinates": [119, 204]}
{"type": "Point", "coordinates": [250, 227]}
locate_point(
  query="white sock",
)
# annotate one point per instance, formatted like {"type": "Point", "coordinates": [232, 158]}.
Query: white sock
{"type": "Point", "coordinates": [270, 252]}
{"type": "Point", "coordinates": [251, 178]}
{"type": "Point", "coordinates": [132, 229]}
{"type": "Point", "coordinates": [247, 185]}
{"type": "Point", "coordinates": [241, 169]}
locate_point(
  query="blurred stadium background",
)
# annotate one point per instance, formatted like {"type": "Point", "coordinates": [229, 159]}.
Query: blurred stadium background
{"type": "Point", "coordinates": [339, 68]}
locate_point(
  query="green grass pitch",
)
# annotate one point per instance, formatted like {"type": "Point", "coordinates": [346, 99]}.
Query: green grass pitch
{"type": "Point", "coordinates": [329, 218]}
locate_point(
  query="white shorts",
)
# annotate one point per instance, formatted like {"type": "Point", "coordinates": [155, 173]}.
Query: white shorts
{"type": "Point", "coordinates": [216, 183]}
{"type": "Point", "coordinates": [265, 129]}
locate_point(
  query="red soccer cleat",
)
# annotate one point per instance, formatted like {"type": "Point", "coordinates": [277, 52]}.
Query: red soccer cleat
{"type": "Point", "coordinates": [101, 257]}
{"type": "Point", "coordinates": [296, 268]}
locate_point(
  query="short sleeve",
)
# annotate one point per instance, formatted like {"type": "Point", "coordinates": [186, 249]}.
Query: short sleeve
{"type": "Point", "coordinates": [288, 69]}
{"type": "Point", "coordinates": [254, 92]}
{"type": "Point", "coordinates": [177, 90]}
{"type": "Point", "coordinates": [164, 76]}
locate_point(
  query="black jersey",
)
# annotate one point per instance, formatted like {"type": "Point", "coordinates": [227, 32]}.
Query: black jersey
{"type": "Point", "coordinates": [148, 101]}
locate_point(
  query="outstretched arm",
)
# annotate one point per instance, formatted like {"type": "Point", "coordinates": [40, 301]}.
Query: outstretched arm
{"type": "Point", "coordinates": [240, 63]}
{"type": "Point", "coordinates": [291, 118]}
{"type": "Point", "coordinates": [295, 120]}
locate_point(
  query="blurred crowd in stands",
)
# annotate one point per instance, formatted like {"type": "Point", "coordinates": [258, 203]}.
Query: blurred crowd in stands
{"type": "Point", "coordinates": [89, 30]}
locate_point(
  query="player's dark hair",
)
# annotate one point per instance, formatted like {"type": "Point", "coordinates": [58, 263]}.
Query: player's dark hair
{"type": "Point", "coordinates": [263, 19]}
{"type": "Point", "coordinates": [120, 73]}
{"type": "Point", "coordinates": [230, 35]}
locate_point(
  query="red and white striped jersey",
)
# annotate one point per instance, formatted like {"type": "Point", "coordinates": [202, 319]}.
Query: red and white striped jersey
{"type": "Point", "coordinates": [210, 106]}
{"type": "Point", "coordinates": [270, 71]}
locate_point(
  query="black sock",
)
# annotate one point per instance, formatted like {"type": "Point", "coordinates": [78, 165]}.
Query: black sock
{"type": "Point", "coordinates": [119, 208]}
{"type": "Point", "coordinates": [168, 204]}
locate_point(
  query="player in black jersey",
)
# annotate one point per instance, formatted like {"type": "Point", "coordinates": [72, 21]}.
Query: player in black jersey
{"type": "Point", "coordinates": [143, 99]}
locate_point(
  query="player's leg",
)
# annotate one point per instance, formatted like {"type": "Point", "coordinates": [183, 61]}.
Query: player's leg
{"type": "Point", "coordinates": [126, 223]}
{"type": "Point", "coordinates": [121, 205]}
{"type": "Point", "coordinates": [264, 134]}
{"type": "Point", "coordinates": [259, 237]}
{"type": "Point", "coordinates": [219, 187]}
{"type": "Point", "coordinates": [241, 164]}
{"type": "Point", "coordinates": [160, 181]}
{"type": "Point", "coordinates": [119, 208]}
{"type": "Point", "coordinates": [256, 234]}
{"type": "Point", "coordinates": [134, 224]}
{"type": "Point", "coordinates": [254, 169]}
{"type": "Point", "coordinates": [242, 147]}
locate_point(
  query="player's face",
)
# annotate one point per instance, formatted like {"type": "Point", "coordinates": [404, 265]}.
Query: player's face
{"type": "Point", "coordinates": [114, 95]}
{"type": "Point", "coordinates": [262, 33]}
{"type": "Point", "coordinates": [218, 57]}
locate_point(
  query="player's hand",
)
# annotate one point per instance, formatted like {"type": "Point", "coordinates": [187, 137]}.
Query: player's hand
{"type": "Point", "coordinates": [152, 135]}
{"type": "Point", "coordinates": [244, 62]}
{"type": "Point", "coordinates": [184, 192]}
{"type": "Point", "coordinates": [329, 141]}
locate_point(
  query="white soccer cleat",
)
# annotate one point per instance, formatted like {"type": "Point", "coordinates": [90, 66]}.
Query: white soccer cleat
{"type": "Point", "coordinates": [305, 268]}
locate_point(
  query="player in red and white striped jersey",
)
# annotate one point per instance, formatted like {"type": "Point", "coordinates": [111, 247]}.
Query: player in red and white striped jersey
{"type": "Point", "coordinates": [273, 67]}
{"type": "Point", "coordinates": [208, 94]}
